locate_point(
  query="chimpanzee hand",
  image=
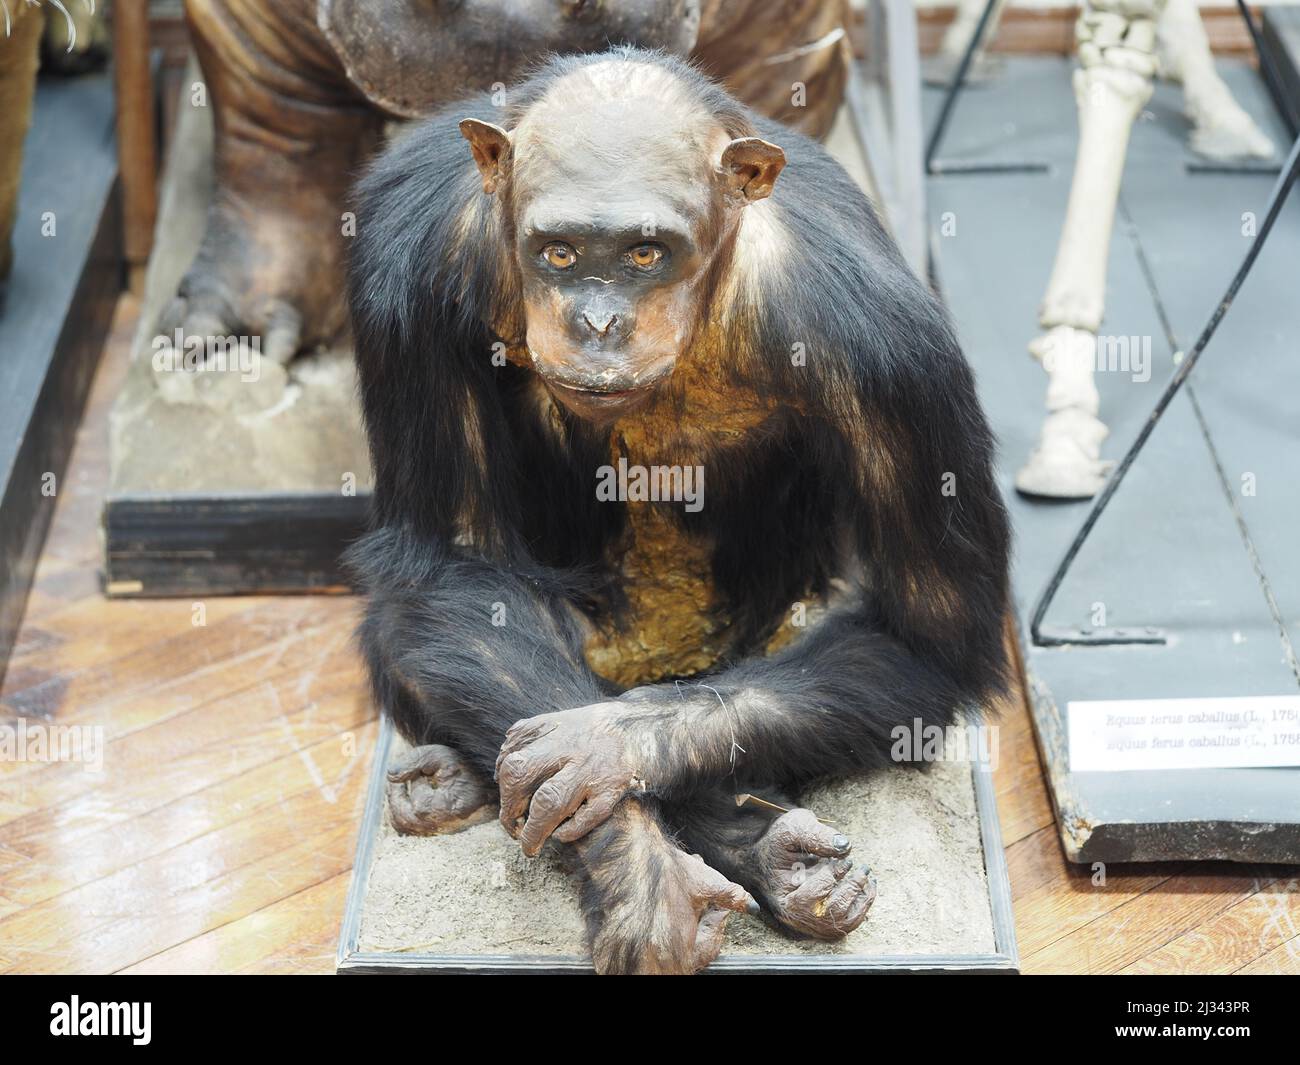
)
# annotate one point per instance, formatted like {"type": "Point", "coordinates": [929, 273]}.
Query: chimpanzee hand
{"type": "Point", "coordinates": [562, 774]}
{"type": "Point", "coordinates": [808, 882]}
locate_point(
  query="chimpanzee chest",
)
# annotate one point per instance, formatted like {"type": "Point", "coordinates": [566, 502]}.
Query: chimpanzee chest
{"type": "Point", "coordinates": [671, 626]}
{"type": "Point", "coordinates": [675, 623]}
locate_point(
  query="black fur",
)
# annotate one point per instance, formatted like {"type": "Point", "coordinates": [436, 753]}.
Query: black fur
{"type": "Point", "coordinates": [781, 506]}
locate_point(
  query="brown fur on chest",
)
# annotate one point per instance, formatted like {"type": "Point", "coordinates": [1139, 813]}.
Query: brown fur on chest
{"type": "Point", "coordinates": [671, 626]}
{"type": "Point", "coordinates": [674, 623]}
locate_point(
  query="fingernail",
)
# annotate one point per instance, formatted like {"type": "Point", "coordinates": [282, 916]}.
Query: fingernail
{"type": "Point", "coordinates": [753, 908]}
{"type": "Point", "coordinates": [840, 842]}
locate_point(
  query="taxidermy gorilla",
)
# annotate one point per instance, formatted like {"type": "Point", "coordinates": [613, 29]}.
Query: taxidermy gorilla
{"type": "Point", "coordinates": [624, 273]}
{"type": "Point", "coordinates": [301, 90]}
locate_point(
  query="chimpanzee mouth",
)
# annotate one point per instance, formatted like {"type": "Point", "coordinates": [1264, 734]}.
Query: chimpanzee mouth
{"type": "Point", "coordinates": [599, 396]}
{"type": "Point", "coordinates": [601, 393]}
{"type": "Point", "coordinates": [600, 404]}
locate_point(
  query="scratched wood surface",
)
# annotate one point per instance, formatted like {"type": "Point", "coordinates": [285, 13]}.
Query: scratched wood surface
{"type": "Point", "coordinates": [218, 834]}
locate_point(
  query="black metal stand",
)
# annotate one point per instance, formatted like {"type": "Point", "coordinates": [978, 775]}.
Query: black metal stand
{"type": "Point", "coordinates": [1272, 76]}
{"type": "Point", "coordinates": [934, 167]}
{"type": "Point", "coordinates": [1055, 638]}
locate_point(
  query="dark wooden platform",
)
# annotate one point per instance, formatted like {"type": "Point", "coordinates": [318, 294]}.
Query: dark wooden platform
{"type": "Point", "coordinates": [1174, 548]}
{"type": "Point", "coordinates": [56, 315]}
{"type": "Point", "coordinates": [166, 545]}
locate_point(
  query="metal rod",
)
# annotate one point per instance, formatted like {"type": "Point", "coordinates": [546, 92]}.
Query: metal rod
{"type": "Point", "coordinates": [1209, 166]}
{"type": "Point", "coordinates": [1008, 166]}
{"type": "Point", "coordinates": [955, 86]}
{"type": "Point", "coordinates": [1271, 77]}
{"type": "Point", "coordinates": [1290, 170]}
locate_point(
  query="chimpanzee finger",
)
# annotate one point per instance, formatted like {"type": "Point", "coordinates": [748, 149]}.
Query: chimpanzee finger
{"type": "Point", "coordinates": [851, 899]}
{"type": "Point", "coordinates": [402, 812]}
{"type": "Point", "coordinates": [419, 762]}
{"type": "Point", "coordinates": [799, 832]}
{"type": "Point", "coordinates": [815, 886]}
{"type": "Point", "coordinates": [519, 775]}
{"type": "Point", "coordinates": [709, 937]}
{"type": "Point", "coordinates": [595, 811]}
{"type": "Point", "coordinates": [553, 803]}
{"type": "Point", "coordinates": [520, 735]}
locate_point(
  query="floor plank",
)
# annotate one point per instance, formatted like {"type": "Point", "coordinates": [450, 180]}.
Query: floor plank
{"type": "Point", "coordinates": [298, 934]}
{"type": "Point", "coordinates": [1240, 936]}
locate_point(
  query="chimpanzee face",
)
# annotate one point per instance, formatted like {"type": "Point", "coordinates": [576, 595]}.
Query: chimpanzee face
{"type": "Point", "coordinates": [619, 206]}
{"type": "Point", "coordinates": [611, 294]}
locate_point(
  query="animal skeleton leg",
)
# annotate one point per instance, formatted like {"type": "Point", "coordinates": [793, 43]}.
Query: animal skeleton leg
{"type": "Point", "coordinates": [1116, 40]}
{"type": "Point", "coordinates": [1221, 129]}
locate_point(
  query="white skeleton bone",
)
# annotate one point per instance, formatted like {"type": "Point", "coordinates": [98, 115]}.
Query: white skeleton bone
{"type": "Point", "coordinates": [1122, 45]}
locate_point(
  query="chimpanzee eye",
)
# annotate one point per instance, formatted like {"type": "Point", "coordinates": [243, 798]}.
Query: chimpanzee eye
{"type": "Point", "coordinates": [560, 255]}
{"type": "Point", "coordinates": [644, 256]}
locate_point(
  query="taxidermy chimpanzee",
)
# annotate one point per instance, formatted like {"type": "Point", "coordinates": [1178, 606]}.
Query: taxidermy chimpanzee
{"type": "Point", "coordinates": [628, 270]}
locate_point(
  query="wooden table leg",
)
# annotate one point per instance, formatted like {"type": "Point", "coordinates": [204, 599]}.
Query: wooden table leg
{"type": "Point", "coordinates": [136, 135]}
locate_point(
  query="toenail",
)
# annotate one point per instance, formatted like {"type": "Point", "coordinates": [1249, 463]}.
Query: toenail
{"type": "Point", "coordinates": [840, 842]}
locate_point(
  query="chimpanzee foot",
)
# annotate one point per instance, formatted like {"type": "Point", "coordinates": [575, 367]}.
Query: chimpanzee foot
{"type": "Point", "coordinates": [433, 791]}
{"type": "Point", "coordinates": [668, 916]}
{"type": "Point", "coordinates": [809, 884]}
{"type": "Point", "coordinates": [651, 907]}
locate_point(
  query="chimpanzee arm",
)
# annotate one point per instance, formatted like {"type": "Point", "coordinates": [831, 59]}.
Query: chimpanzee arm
{"type": "Point", "coordinates": [459, 649]}
{"type": "Point", "coordinates": [923, 643]}
{"type": "Point", "coordinates": [823, 706]}
{"type": "Point", "coordinates": [826, 705]}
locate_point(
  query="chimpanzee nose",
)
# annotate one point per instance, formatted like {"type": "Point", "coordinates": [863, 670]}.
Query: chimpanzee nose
{"type": "Point", "coordinates": [596, 325]}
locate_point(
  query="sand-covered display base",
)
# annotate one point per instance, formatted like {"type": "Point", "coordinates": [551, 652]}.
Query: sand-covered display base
{"type": "Point", "coordinates": [474, 893]}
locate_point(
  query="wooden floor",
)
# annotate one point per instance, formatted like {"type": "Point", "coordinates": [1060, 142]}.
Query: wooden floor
{"type": "Point", "coordinates": [218, 835]}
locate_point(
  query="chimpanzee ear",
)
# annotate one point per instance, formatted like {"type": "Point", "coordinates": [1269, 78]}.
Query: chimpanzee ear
{"type": "Point", "coordinates": [491, 147]}
{"type": "Point", "coordinates": [751, 167]}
